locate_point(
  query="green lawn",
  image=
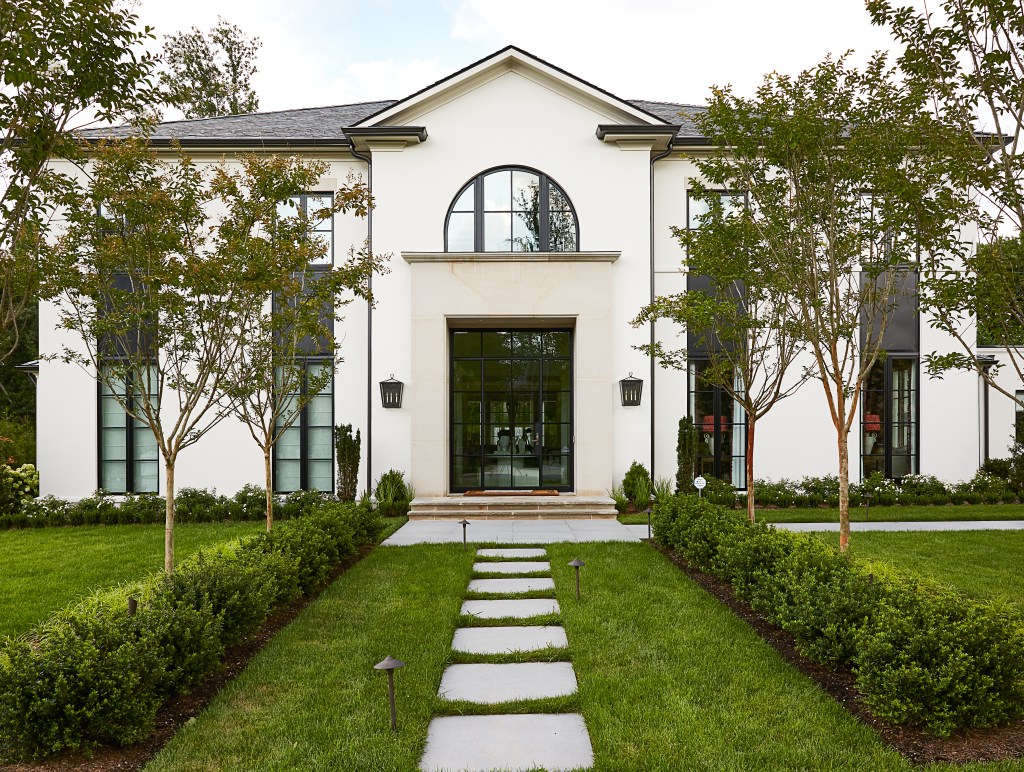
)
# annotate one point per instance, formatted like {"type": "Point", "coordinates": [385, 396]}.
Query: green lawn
{"type": "Point", "coordinates": [668, 678]}
{"type": "Point", "coordinates": [41, 570]}
{"type": "Point", "coordinates": [981, 563]}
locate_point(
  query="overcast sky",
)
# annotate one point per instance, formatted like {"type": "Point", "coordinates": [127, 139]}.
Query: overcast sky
{"type": "Point", "coordinates": [326, 52]}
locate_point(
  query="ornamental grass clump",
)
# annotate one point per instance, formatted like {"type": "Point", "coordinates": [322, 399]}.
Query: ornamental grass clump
{"type": "Point", "coordinates": [93, 674]}
{"type": "Point", "coordinates": [920, 654]}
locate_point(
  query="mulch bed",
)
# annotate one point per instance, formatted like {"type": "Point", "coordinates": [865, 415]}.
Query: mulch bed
{"type": "Point", "coordinates": [919, 747]}
{"type": "Point", "coordinates": [183, 708]}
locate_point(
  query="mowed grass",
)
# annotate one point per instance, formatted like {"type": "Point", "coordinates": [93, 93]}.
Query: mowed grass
{"type": "Point", "coordinates": [311, 699]}
{"type": "Point", "coordinates": [984, 564]}
{"type": "Point", "coordinates": [908, 514]}
{"type": "Point", "coordinates": [668, 678]}
{"type": "Point", "coordinates": [43, 569]}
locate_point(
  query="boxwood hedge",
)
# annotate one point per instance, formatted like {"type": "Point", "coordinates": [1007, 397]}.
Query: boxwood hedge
{"type": "Point", "coordinates": [921, 654]}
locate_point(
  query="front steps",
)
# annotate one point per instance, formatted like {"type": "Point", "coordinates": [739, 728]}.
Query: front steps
{"type": "Point", "coordinates": [566, 506]}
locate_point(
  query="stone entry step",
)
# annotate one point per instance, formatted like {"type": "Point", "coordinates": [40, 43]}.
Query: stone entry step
{"type": "Point", "coordinates": [512, 553]}
{"type": "Point", "coordinates": [509, 586]}
{"type": "Point", "coordinates": [566, 506]}
{"type": "Point", "coordinates": [513, 609]}
{"type": "Point", "coordinates": [518, 743]}
{"type": "Point", "coordinates": [509, 567]}
{"type": "Point", "coordinates": [505, 640]}
{"type": "Point", "coordinates": [491, 684]}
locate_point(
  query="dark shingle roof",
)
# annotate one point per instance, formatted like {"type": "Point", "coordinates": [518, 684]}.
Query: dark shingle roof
{"type": "Point", "coordinates": [325, 124]}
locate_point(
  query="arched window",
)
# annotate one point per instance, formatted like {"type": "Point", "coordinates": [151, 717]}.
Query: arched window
{"type": "Point", "coordinates": [512, 209]}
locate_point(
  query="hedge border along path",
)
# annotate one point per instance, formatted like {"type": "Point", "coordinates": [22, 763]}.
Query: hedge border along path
{"type": "Point", "coordinates": [1005, 743]}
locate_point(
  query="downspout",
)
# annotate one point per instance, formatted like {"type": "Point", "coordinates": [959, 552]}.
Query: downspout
{"type": "Point", "coordinates": [987, 363]}
{"type": "Point", "coordinates": [653, 364]}
{"type": "Point", "coordinates": [369, 322]}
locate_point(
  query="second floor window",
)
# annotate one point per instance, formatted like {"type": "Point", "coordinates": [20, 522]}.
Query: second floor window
{"type": "Point", "coordinates": [513, 209]}
{"type": "Point", "coordinates": [316, 207]}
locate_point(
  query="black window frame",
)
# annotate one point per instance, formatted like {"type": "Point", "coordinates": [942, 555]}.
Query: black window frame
{"type": "Point", "coordinates": [545, 182]}
{"type": "Point", "coordinates": [886, 420]}
{"type": "Point", "coordinates": [451, 455]}
{"type": "Point", "coordinates": [302, 424]}
{"type": "Point", "coordinates": [722, 459]}
{"type": "Point", "coordinates": [130, 425]}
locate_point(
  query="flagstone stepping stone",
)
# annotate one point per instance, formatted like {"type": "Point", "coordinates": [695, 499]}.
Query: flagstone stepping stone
{"type": "Point", "coordinates": [510, 567]}
{"type": "Point", "coordinates": [516, 743]}
{"type": "Point", "coordinates": [509, 586]}
{"type": "Point", "coordinates": [503, 640]}
{"type": "Point", "coordinates": [518, 609]}
{"type": "Point", "coordinates": [511, 553]}
{"type": "Point", "coordinates": [491, 684]}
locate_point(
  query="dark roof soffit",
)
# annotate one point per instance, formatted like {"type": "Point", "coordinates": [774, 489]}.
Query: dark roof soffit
{"type": "Point", "coordinates": [419, 133]}
{"type": "Point", "coordinates": [614, 129]}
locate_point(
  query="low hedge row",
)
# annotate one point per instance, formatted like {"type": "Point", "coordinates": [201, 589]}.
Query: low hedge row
{"type": "Point", "coordinates": [92, 674]}
{"type": "Point", "coordinates": [921, 654]}
{"type": "Point", "coordinates": [191, 505]}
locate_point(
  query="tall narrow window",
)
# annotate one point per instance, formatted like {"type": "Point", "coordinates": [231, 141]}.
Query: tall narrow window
{"type": "Point", "coordinates": [697, 209]}
{"type": "Point", "coordinates": [889, 418]}
{"type": "Point", "coordinates": [722, 428]}
{"type": "Point", "coordinates": [1018, 422]}
{"type": "Point", "coordinates": [304, 454]}
{"type": "Point", "coordinates": [128, 453]}
{"type": "Point", "coordinates": [513, 209]}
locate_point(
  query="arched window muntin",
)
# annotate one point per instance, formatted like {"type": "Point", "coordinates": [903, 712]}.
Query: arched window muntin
{"type": "Point", "coordinates": [511, 209]}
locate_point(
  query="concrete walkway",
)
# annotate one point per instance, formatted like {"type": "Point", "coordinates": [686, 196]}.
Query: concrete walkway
{"type": "Point", "coordinates": [511, 532]}
{"type": "Point", "coordinates": [512, 742]}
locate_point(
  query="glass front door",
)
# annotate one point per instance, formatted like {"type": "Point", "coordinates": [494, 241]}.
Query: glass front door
{"type": "Point", "coordinates": [511, 410]}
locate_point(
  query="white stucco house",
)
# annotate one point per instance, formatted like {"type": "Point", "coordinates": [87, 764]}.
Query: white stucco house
{"type": "Point", "coordinates": [528, 216]}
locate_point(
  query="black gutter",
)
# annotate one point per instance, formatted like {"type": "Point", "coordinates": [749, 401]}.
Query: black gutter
{"type": "Point", "coordinates": [241, 142]}
{"type": "Point", "coordinates": [604, 129]}
{"type": "Point", "coordinates": [369, 324]}
{"type": "Point", "coordinates": [419, 132]}
{"type": "Point", "coordinates": [651, 356]}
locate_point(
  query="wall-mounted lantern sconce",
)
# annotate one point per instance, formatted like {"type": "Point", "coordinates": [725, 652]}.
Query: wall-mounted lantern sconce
{"type": "Point", "coordinates": [391, 392]}
{"type": "Point", "coordinates": [631, 389]}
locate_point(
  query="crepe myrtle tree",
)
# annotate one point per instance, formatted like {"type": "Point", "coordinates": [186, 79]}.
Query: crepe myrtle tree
{"type": "Point", "coordinates": [969, 57]}
{"type": "Point", "coordinates": [63, 65]}
{"type": "Point", "coordinates": [841, 204]}
{"type": "Point", "coordinates": [268, 380]}
{"type": "Point", "coordinates": [156, 293]}
{"type": "Point", "coordinates": [741, 317]}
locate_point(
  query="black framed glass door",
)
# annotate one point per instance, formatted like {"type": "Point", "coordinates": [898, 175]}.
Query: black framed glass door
{"type": "Point", "coordinates": [511, 410]}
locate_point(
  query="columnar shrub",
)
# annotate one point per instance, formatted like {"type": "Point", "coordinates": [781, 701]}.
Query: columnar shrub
{"type": "Point", "coordinates": [348, 449]}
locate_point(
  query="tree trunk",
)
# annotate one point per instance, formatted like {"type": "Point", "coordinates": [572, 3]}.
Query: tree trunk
{"type": "Point", "coordinates": [269, 485]}
{"type": "Point", "coordinates": [750, 469]}
{"type": "Point", "coordinates": [844, 492]}
{"type": "Point", "coordinates": [169, 517]}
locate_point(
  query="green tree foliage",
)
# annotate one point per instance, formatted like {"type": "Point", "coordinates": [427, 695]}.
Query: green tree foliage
{"type": "Point", "coordinates": [742, 317]}
{"type": "Point", "coordinates": [686, 455]}
{"type": "Point", "coordinates": [839, 205]}
{"type": "Point", "coordinates": [275, 336]}
{"type": "Point", "coordinates": [969, 56]}
{"type": "Point", "coordinates": [62, 64]}
{"type": "Point", "coordinates": [206, 76]}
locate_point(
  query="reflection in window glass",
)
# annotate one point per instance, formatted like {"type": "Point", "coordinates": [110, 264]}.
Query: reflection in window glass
{"type": "Point", "coordinates": [889, 415]}
{"type": "Point", "coordinates": [1018, 422]}
{"type": "Point", "coordinates": [128, 451]}
{"type": "Point", "coordinates": [304, 453]}
{"type": "Point", "coordinates": [521, 211]}
{"type": "Point", "coordinates": [721, 426]}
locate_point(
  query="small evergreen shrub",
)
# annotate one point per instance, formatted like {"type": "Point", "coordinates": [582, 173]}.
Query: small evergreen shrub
{"type": "Point", "coordinates": [637, 475]}
{"type": "Point", "coordinates": [393, 494]}
{"type": "Point", "coordinates": [348, 449]}
{"type": "Point", "coordinates": [687, 440]}
{"type": "Point", "coordinates": [196, 505]}
{"type": "Point", "coordinates": [249, 503]}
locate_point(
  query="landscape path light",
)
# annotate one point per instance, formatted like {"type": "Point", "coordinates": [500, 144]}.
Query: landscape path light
{"type": "Point", "coordinates": [133, 606]}
{"type": "Point", "coordinates": [867, 505]}
{"type": "Point", "coordinates": [390, 664]}
{"type": "Point", "coordinates": [577, 564]}
{"type": "Point", "coordinates": [464, 523]}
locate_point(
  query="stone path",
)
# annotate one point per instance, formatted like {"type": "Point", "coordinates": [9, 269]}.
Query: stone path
{"type": "Point", "coordinates": [514, 742]}
{"type": "Point", "coordinates": [511, 532]}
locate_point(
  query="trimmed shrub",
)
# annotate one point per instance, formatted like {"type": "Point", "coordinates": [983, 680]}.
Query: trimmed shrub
{"type": "Point", "coordinates": [348, 449]}
{"type": "Point", "coordinates": [636, 480]}
{"type": "Point", "coordinates": [393, 494]}
{"type": "Point", "coordinates": [920, 655]}
{"type": "Point", "coordinates": [932, 658]}
{"type": "Point", "coordinates": [249, 503]}
{"type": "Point", "coordinates": [92, 674]}
{"type": "Point", "coordinates": [196, 505]}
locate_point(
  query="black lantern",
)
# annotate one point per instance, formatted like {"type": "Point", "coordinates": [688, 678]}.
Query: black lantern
{"type": "Point", "coordinates": [631, 389]}
{"type": "Point", "coordinates": [391, 392]}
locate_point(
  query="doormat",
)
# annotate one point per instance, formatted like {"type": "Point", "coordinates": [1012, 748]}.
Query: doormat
{"type": "Point", "coordinates": [542, 492]}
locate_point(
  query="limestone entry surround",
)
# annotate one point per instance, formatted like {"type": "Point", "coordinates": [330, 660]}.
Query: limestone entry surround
{"type": "Point", "coordinates": [507, 290]}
